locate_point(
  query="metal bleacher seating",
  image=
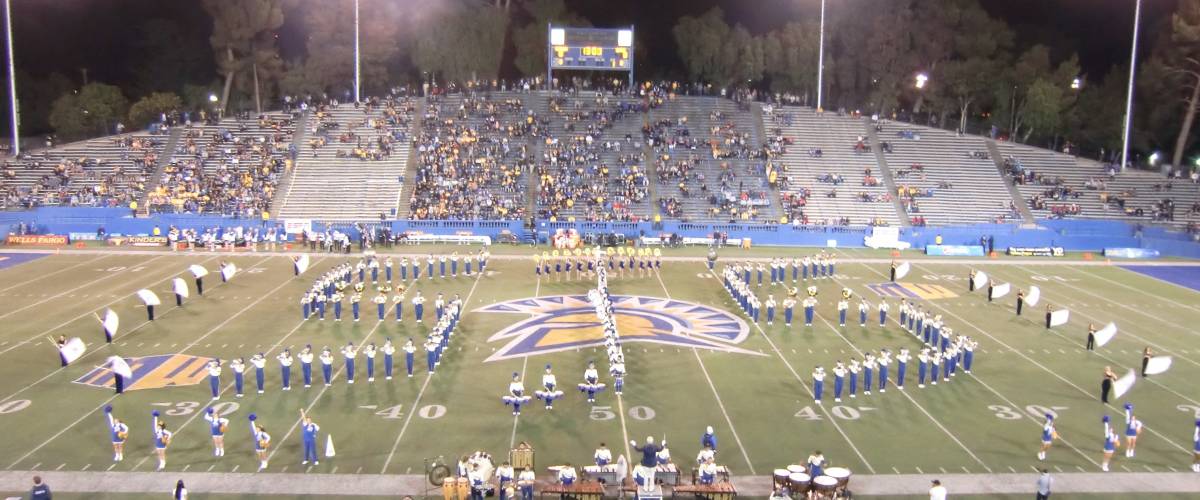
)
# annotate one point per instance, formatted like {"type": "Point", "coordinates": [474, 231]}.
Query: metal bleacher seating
{"type": "Point", "coordinates": [352, 163]}
{"type": "Point", "coordinates": [104, 172]}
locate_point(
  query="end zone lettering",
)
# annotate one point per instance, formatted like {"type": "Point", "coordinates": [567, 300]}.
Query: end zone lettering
{"type": "Point", "coordinates": [1037, 251]}
{"type": "Point", "coordinates": [37, 239]}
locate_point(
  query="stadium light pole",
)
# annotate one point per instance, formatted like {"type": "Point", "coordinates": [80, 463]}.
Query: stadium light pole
{"type": "Point", "coordinates": [357, 61]}
{"type": "Point", "coordinates": [821, 58]}
{"type": "Point", "coordinates": [1137, 17]}
{"type": "Point", "coordinates": [12, 81]}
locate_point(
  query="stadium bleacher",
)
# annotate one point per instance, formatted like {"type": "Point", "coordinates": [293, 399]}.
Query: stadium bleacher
{"type": "Point", "coordinates": [106, 172]}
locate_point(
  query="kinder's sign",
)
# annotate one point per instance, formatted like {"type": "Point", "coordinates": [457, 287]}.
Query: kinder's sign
{"type": "Point", "coordinates": [37, 239]}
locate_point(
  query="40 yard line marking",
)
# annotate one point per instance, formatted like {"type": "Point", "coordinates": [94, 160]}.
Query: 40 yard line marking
{"type": "Point", "coordinates": [829, 417]}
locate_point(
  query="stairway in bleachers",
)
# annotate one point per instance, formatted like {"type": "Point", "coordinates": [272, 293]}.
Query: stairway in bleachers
{"type": "Point", "coordinates": [159, 166]}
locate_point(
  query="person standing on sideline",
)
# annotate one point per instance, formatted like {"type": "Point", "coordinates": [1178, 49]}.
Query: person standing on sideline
{"type": "Point", "coordinates": [179, 493]}
{"type": "Point", "coordinates": [1091, 338]}
{"type": "Point", "coordinates": [937, 491]}
{"type": "Point", "coordinates": [1044, 483]}
{"type": "Point", "coordinates": [1146, 355]}
{"type": "Point", "coordinates": [40, 491]}
{"type": "Point", "coordinates": [1107, 383]}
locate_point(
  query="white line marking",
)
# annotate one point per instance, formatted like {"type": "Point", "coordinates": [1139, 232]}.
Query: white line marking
{"type": "Point", "coordinates": [42, 277]}
{"type": "Point", "coordinates": [211, 467]}
{"type": "Point", "coordinates": [110, 467]}
{"type": "Point", "coordinates": [186, 467]}
{"type": "Point", "coordinates": [86, 467]}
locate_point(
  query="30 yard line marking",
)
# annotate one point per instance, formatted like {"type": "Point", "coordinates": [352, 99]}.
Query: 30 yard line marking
{"type": "Point", "coordinates": [829, 417]}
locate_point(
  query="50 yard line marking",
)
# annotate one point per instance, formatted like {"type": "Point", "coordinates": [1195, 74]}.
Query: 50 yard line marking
{"type": "Point", "coordinates": [716, 395]}
{"type": "Point", "coordinates": [512, 440]}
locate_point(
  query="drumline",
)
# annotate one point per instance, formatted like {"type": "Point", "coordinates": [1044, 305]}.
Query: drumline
{"type": "Point", "coordinates": [798, 481]}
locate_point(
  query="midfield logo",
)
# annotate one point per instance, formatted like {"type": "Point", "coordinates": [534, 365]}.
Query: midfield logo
{"type": "Point", "coordinates": [153, 372]}
{"type": "Point", "coordinates": [567, 322]}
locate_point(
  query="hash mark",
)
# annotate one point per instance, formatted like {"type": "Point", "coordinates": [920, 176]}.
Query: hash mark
{"type": "Point", "coordinates": [86, 467]}
{"type": "Point", "coordinates": [235, 468]}
{"type": "Point", "coordinates": [60, 466]}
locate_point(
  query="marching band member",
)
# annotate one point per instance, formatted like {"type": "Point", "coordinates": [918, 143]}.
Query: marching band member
{"type": "Point", "coordinates": [945, 334]}
{"type": "Point", "coordinates": [262, 441]}
{"type": "Point", "coordinates": [760, 268]}
{"type": "Point", "coordinates": [935, 366]}
{"type": "Point", "coordinates": [308, 435]}
{"type": "Point", "coordinates": [239, 372]}
{"type": "Point", "coordinates": [885, 358]}
{"type": "Point", "coordinates": [260, 363]}
{"type": "Point", "coordinates": [361, 267]}
{"type": "Point", "coordinates": [869, 363]}
{"type": "Point", "coordinates": [320, 300]}
{"type": "Point", "coordinates": [816, 464]}
{"type": "Point", "coordinates": [454, 264]}
{"type": "Point", "coordinates": [617, 370]}
{"type": "Point", "coordinates": [904, 315]}
{"type": "Point", "coordinates": [922, 366]}
{"type": "Point", "coordinates": [809, 303]}
{"type": "Point", "coordinates": [306, 358]}
{"type": "Point", "coordinates": [789, 304]}
{"type": "Point", "coordinates": [706, 454]}
{"type": "Point", "coordinates": [650, 460]}
{"type": "Point", "coordinates": [217, 425]}
{"type": "Point", "coordinates": [387, 267]}
{"type": "Point", "coordinates": [709, 439]}
{"type": "Point", "coordinates": [566, 475]}
{"type": "Point", "coordinates": [883, 312]}
{"type": "Point", "coordinates": [819, 383]}
{"type": "Point", "coordinates": [805, 264]}
{"type": "Point", "coordinates": [349, 352]}
{"type": "Point", "coordinates": [409, 350]}
{"type": "Point", "coordinates": [839, 375]}
{"type": "Point", "coordinates": [516, 394]}
{"type": "Point", "coordinates": [892, 272]}
{"type": "Point", "coordinates": [842, 305]}
{"type": "Point", "coordinates": [373, 265]}
{"type": "Point", "coordinates": [901, 367]}
{"type": "Point", "coordinates": [549, 382]}
{"type": "Point", "coordinates": [831, 262]}
{"type": "Point", "coordinates": [419, 306]}
{"type": "Point", "coordinates": [305, 303]}
{"type": "Point", "coordinates": [439, 306]}
{"type": "Point", "coordinates": [403, 268]}
{"type": "Point", "coordinates": [370, 352]}
{"type": "Point", "coordinates": [337, 299]}
{"type": "Point", "coordinates": [388, 351]}
{"type": "Point", "coordinates": [1048, 436]}
{"type": "Point", "coordinates": [853, 369]}
{"type": "Point", "coordinates": [1111, 443]}
{"type": "Point", "coordinates": [162, 439]}
{"type": "Point", "coordinates": [505, 475]}
{"type": "Point", "coordinates": [214, 378]}
{"type": "Point", "coordinates": [285, 368]}
{"type": "Point", "coordinates": [591, 382]}
{"type": "Point", "coordinates": [774, 271]}
{"type": "Point", "coordinates": [770, 309]}
{"type": "Point", "coordinates": [431, 352]}
{"type": "Point", "coordinates": [949, 362]}
{"type": "Point", "coordinates": [326, 358]}
{"type": "Point", "coordinates": [526, 480]}
{"type": "Point", "coordinates": [442, 266]}
{"type": "Point", "coordinates": [119, 432]}
{"type": "Point", "coordinates": [602, 456]}
{"type": "Point", "coordinates": [969, 354]}
{"type": "Point", "coordinates": [863, 308]}
{"type": "Point", "coordinates": [381, 304]}
{"type": "Point", "coordinates": [1133, 428]}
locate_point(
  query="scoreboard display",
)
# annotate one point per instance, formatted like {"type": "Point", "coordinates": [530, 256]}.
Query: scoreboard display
{"type": "Point", "coordinates": [590, 49]}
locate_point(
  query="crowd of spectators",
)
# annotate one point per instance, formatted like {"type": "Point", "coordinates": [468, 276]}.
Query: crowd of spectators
{"type": "Point", "coordinates": [110, 175]}
{"type": "Point", "coordinates": [368, 132]}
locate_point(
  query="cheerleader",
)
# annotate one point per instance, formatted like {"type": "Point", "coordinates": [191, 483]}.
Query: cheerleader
{"type": "Point", "coordinates": [883, 312]}
{"type": "Point", "coordinates": [308, 434]}
{"type": "Point", "coordinates": [770, 309]}
{"type": "Point", "coordinates": [548, 393]}
{"type": "Point", "coordinates": [262, 440]}
{"type": "Point", "coordinates": [789, 304]}
{"type": "Point", "coordinates": [306, 358]}
{"type": "Point", "coordinates": [239, 375]}
{"type": "Point", "coordinates": [863, 308]}
{"type": "Point", "coordinates": [349, 352]}
{"type": "Point", "coordinates": [370, 352]}
{"type": "Point", "coordinates": [119, 432]}
{"type": "Point", "coordinates": [409, 353]}
{"type": "Point", "coordinates": [285, 368]}
{"type": "Point", "coordinates": [214, 378]}
{"type": "Point", "coordinates": [839, 375]}
{"type": "Point", "coordinates": [259, 361]}
{"type": "Point", "coordinates": [217, 425]}
{"type": "Point", "coordinates": [809, 304]}
{"type": "Point", "coordinates": [326, 358]}
{"type": "Point", "coordinates": [1196, 448]}
{"type": "Point", "coordinates": [869, 363]}
{"type": "Point", "coordinates": [853, 369]}
{"type": "Point", "coordinates": [901, 367]}
{"type": "Point", "coordinates": [1133, 428]}
{"type": "Point", "coordinates": [162, 439]}
{"type": "Point", "coordinates": [922, 366]}
{"type": "Point", "coordinates": [818, 383]}
{"type": "Point", "coordinates": [591, 382]}
{"type": "Point", "coordinates": [516, 394]}
{"type": "Point", "coordinates": [885, 359]}
{"type": "Point", "coordinates": [602, 456]}
{"type": "Point", "coordinates": [418, 306]}
{"type": "Point", "coordinates": [1111, 443]}
{"type": "Point", "coordinates": [1049, 435]}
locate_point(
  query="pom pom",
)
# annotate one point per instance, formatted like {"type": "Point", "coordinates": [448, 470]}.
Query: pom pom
{"type": "Point", "coordinates": [154, 413]}
{"type": "Point", "coordinates": [1128, 406]}
{"type": "Point", "coordinates": [210, 410]}
{"type": "Point", "coordinates": [108, 409]}
{"type": "Point", "coordinates": [253, 417]}
{"type": "Point", "coordinates": [1106, 419]}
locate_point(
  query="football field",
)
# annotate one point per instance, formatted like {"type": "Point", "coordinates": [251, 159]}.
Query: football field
{"type": "Point", "coordinates": [693, 358]}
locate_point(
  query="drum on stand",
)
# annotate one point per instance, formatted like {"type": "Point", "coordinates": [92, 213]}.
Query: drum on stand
{"type": "Point", "coordinates": [824, 486]}
{"type": "Point", "coordinates": [798, 483]}
{"type": "Point", "coordinates": [792, 469]}
{"type": "Point", "coordinates": [781, 477]}
{"type": "Point", "coordinates": [842, 475]}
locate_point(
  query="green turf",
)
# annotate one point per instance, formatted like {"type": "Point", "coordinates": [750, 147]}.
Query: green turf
{"type": "Point", "coordinates": [763, 414]}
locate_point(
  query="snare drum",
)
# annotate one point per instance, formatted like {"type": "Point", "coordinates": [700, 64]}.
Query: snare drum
{"type": "Point", "coordinates": [781, 477]}
{"type": "Point", "coordinates": [792, 469]}
{"type": "Point", "coordinates": [798, 482]}
{"type": "Point", "coordinates": [824, 484]}
{"type": "Point", "coordinates": [842, 475]}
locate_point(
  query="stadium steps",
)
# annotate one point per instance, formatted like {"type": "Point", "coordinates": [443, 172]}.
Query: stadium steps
{"type": "Point", "coordinates": [651, 171]}
{"type": "Point", "coordinates": [299, 138]}
{"type": "Point", "coordinates": [1017, 199]}
{"type": "Point", "coordinates": [164, 159]}
{"type": "Point", "coordinates": [410, 170]}
{"type": "Point", "coordinates": [886, 173]}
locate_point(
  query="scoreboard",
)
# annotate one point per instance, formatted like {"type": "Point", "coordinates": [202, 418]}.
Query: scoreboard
{"type": "Point", "coordinates": [590, 49]}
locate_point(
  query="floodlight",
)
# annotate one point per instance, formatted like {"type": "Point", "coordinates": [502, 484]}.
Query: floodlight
{"type": "Point", "coordinates": [558, 36]}
{"type": "Point", "coordinates": [625, 38]}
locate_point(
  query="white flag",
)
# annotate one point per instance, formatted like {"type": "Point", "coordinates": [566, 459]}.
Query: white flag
{"type": "Point", "coordinates": [148, 297]}
{"type": "Point", "coordinates": [1124, 383]}
{"type": "Point", "coordinates": [119, 366]}
{"type": "Point", "coordinates": [1106, 334]}
{"type": "Point", "coordinates": [228, 271]}
{"type": "Point", "coordinates": [1157, 365]}
{"type": "Point", "coordinates": [181, 287]}
{"type": "Point", "coordinates": [198, 270]}
{"type": "Point", "coordinates": [622, 468]}
{"type": "Point", "coordinates": [1059, 317]}
{"type": "Point", "coordinates": [1000, 290]}
{"type": "Point", "coordinates": [302, 263]}
{"type": "Point", "coordinates": [1034, 295]}
{"type": "Point", "coordinates": [111, 322]}
{"type": "Point", "coordinates": [981, 279]}
{"type": "Point", "coordinates": [72, 349]}
{"type": "Point", "coordinates": [903, 269]}
{"type": "Point", "coordinates": [329, 445]}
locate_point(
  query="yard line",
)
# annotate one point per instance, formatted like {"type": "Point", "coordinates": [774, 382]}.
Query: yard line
{"type": "Point", "coordinates": [60, 294]}
{"type": "Point", "coordinates": [86, 467]}
{"type": "Point", "coordinates": [235, 468]}
{"type": "Point", "coordinates": [1039, 365]}
{"type": "Point", "coordinates": [186, 467]}
{"type": "Point", "coordinates": [60, 466]}
{"type": "Point", "coordinates": [537, 288]}
{"type": "Point", "coordinates": [716, 395]}
{"type": "Point", "coordinates": [44, 276]}
{"type": "Point", "coordinates": [211, 467]}
{"type": "Point", "coordinates": [210, 332]}
{"type": "Point", "coordinates": [110, 467]}
{"type": "Point", "coordinates": [1123, 285]}
{"type": "Point", "coordinates": [425, 385]}
{"type": "Point", "coordinates": [828, 416]}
